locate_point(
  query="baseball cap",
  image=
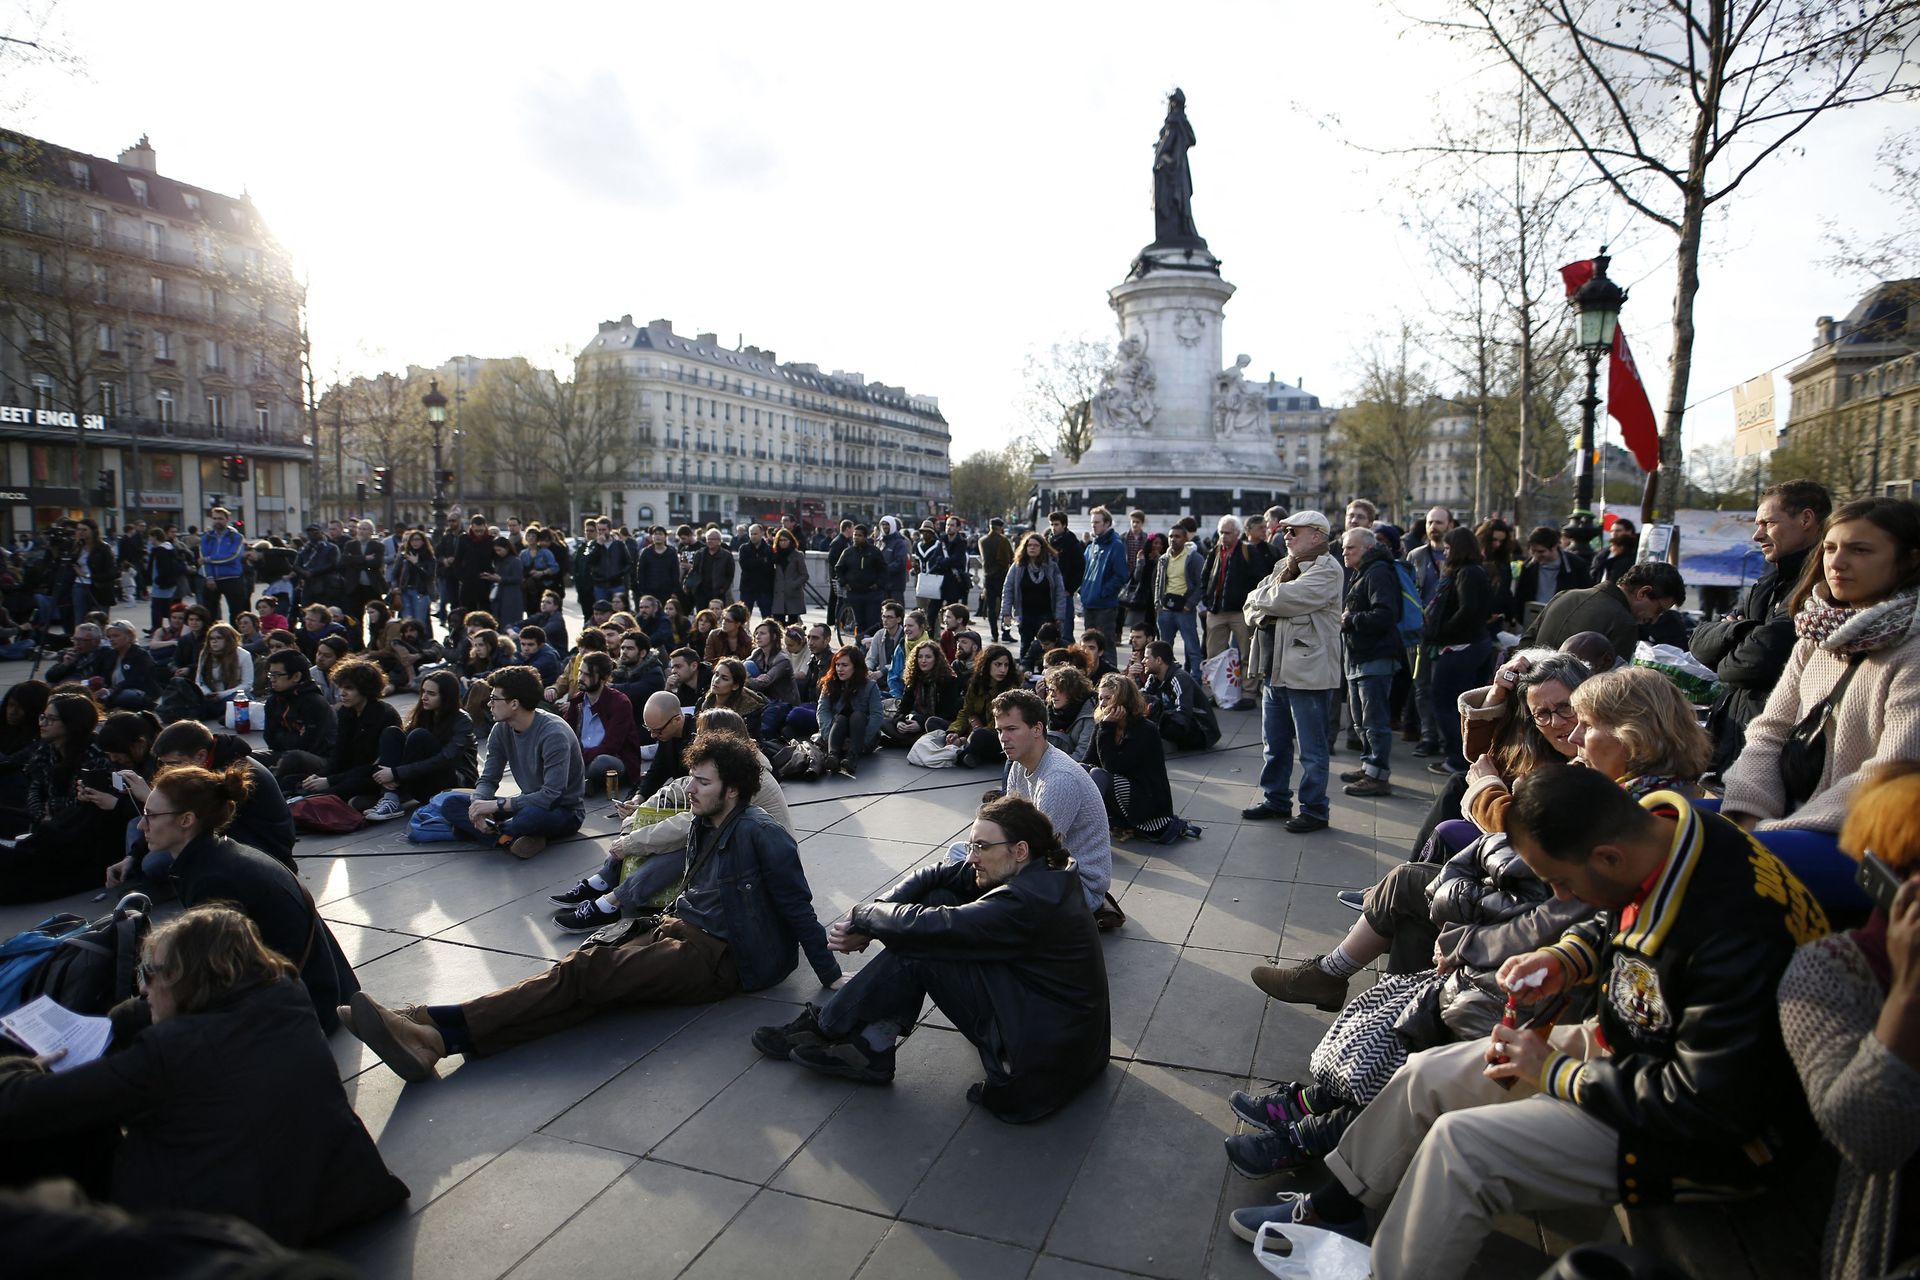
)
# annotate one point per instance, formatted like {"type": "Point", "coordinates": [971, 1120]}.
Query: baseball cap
{"type": "Point", "coordinates": [1306, 519]}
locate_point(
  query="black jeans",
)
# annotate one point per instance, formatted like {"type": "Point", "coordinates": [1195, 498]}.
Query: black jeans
{"type": "Point", "coordinates": [403, 747]}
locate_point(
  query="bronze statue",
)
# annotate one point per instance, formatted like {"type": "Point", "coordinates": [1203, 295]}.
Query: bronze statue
{"type": "Point", "coordinates": [1173, 180]}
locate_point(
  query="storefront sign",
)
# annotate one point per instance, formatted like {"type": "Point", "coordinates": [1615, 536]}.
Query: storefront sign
{"type": "Point", "coordinates": [12, 495]}
{"type": "Point", "coordinates": [22, 416]}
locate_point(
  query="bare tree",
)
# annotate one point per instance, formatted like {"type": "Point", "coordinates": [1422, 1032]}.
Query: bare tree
{"type": "Point", "coordinates": [1674, 105]}
{"type": "Point", "coordinates": [1894, 254]}
{"type": "Point", "coordinates": [992, 482]}
{"type": "Point", "coordinates": [590, 417]}
{"type": "Point", "coordinates": [1389, 421]}
{"type": "Point", "coordinates": [507, 418]}
{"type": "Point", "coordinates": [1060, 386]}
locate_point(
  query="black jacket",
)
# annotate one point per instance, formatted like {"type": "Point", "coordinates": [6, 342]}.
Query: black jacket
{"type": "Point", "coordinates": [220, 869]}
{"type": "Point", "coordinates": [137, 671]}
{"type": "Point", "coordinates": [862, 569]}
{"type": "Point", "coordinates": [1748, 654]}
{"type": "Point", "coordinates": [364, 564]}
{"type": "Point", "coordinates": [1698, 1082]}
{"type": "Point", "coordinates": [1372, 608]}
{"type": "Point", "coordinates": [756, 568]}
{"type": "Point", "coordinates": [763, 900]}
{"type": "Point", "coordinates": [300, 720]}
{"type": "Point", "coordinates": [712, 576]}
{"type": "Point", "coordinates": [1182, 710]}
{"type": "Point", "coordinates": [1036, 954]}
{"type": "Point", "coordinates": [356, 748]}
{"type": "Point", "coordinates": [237, 1109]}
{"type": "Point", "coordinates": [264, 822]}
{"type": "Point", "coordinates": [1573, 575]}
{"type": "Point", "coordinates": [1072, 555]}
{"type": "Point", "coordinates": [606, 564]}
{"type": "Point", "coordinates": [459, 751]}
{"type": "Point", "coordinates": [1244, 571]}
{"type": "Point", "coordinates": [1141, 760]}
{"type": "Point", "coordinates": [657, 573]}
{"type": "Point", "coordinates": [1460, 612]}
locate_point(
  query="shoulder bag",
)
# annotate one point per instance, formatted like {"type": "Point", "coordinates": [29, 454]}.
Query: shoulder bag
{"type": "Point", "coordinates": [1803, 757]}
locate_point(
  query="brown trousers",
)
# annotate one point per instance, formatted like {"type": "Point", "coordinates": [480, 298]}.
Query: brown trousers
{"type": "Point", "coordinates": [675, 964]}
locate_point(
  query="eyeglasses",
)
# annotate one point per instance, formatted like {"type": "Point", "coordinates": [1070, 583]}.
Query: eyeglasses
{"type": "Point", "coordinates": [47, 717]}
{"type": "Point", "coordinates": [148, 815]}
{"type": "Point", "coordinates": [1293, 529]}
{"type": "Point", "coordinates": [495, 698]}
{"type": "Point", "coordinates": [1564, 713]}
{"type": "Point", "coordinates": [981, 846]}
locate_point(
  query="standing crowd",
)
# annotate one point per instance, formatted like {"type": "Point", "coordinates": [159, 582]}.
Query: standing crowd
{"type": "Point", "coordinates": [1637, 918]}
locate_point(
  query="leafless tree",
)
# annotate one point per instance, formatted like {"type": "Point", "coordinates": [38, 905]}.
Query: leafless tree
{"type": "Point", "coordinates": [992, 482]}
{"type": "Point", "coordinates": [1674, 105]}
{"type": "Point", "coordinates": [1060, 386]}
{"type": "Point", "coordinates": [1388, 421]}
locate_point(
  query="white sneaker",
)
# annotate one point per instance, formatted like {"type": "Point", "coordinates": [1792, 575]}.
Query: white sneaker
{"type": "Point", "coordinates": [388, 809]}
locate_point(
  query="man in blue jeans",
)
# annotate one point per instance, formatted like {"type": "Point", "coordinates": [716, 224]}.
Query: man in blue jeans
{"type": "Point", "coordinates": [1295, 614]}
{"type": "Point", "coordinates": [223, 566]}
{"type": "Point", "coordinates": [1370, 627]}
{"type": "Point", "coordinates": [547, 765]}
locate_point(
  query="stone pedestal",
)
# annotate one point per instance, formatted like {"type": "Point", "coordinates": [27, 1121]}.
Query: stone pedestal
{"type": "Point", "coordinates": [1185, 460]}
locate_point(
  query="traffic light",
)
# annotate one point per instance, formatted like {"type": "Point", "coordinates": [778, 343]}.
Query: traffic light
{"type": "Point", "coordinates": [239, 464]}
{"type": "Point", "coordinates": [380, 479]}
{"type": "Point", "coordinates": [226, 468]}
{"type": "Point", "coordinates": [108, 489]}
{"type": "Point", "coordinates": [360, 492]}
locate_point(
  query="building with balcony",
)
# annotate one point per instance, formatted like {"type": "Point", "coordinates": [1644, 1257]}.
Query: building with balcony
{"type": "Point", "coordinates": [734, 435]}
{"type": "Point", "coordinates": [1301, 431]}
{"type": "Point", "coordinates": [1856, 397]}
{"type": "Point", "coordinates": [149, 331]}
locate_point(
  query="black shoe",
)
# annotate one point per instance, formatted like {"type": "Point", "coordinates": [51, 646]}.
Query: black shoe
{"type": "Point", "coordinates": [849, 1059]}
{"type": "Point", "coordinates": [1353, 775]}
{"type": "Point", "coordinates": [584, 918]}
{"type": "Point", "coordinates": [1270, 1111]}
{"type": "Point", "coordinates": [1301, 823]}
{"type": "Point", "coordinates": [581, 892]}
{"type": "Point", "coordinates": [1262, 812]}
{"type": "Point", "coordinates": [1355, 898]}
{"type": "Point", "coordinates": [1261, 1155]}
{"type": "Point", "coordinates": [1428, 749]}
{"type": "Point", "coordinates": [1354, 744]}
{"type": "Point", "coordinates": [780, 1042]}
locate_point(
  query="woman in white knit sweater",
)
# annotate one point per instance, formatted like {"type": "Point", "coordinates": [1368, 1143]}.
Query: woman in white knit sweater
{"type": "Point", "coordinates": [1850, 1016]}
{"type": "Point", "coordinates": [1855, 618]}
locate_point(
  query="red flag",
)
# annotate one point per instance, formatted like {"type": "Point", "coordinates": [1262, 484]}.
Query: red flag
{"type": "Point", "coordinates": [1627, 402]}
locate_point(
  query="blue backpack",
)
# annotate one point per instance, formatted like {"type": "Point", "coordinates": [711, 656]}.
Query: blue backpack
{"type": "Point", "coordinates": [1413, 616]}
{"type": "Point", "coordinates": [22, 955]}
{"type": "Point", "coordinates": [428, 825]}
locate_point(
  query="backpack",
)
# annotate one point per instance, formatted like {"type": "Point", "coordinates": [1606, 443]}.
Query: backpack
{"type": "Point", "coordinates": [22, 955]}
{"type": "Point", "coordinates": [90, 970]}
{"type": "Point", "coordinates": [428, 824]}
{"type": "Point", "coordinates": [1413, 616]}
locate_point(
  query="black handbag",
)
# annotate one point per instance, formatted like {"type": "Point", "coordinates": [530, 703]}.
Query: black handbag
{"type": "Point", "coordinates": [1803, 756]}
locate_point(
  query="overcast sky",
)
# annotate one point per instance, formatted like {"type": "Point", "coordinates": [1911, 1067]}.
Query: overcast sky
{"type": "Point", "coordinates": [922, 194]}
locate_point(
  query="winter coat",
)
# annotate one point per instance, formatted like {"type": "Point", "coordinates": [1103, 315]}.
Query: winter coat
{"type": "Point", "coordinates": [1372, 610]}
{"type": "Point", "coordinates": [896, 553]}
{"type": "Point", "coordinates": [1227, 593]}
{"type": "Point", "coordinates": [1031, 950]}
{"type": "Point", "coordinates": [1460, 609]}
{"type": "Point", "coordinates": [1602, 608]}
{"type": "Point", "coordinates": [1106, 573]}
{"type": "Point", "coordinates": [1748, 654]}
{"type": "Point", "coordinates": [1010, 597]}
{"type": "Point", "coordinates": [1141, 759]}
{"type": "Point", "coordinates": [1074, 731]}
{"type": "Point", "coordinates": [614, 710]}
{"type": "Point", "coordinates": [862, 569]}
{"type": "Point", "coordinates": [712, 575]}
{"type": "Point", "coordinates": [1301, 649]}
{"type": "Point", "coordinates": [775, 681]}
{"type": "Point", "coordinates": [356, 750]}
{"type": "Point", "coordinates": [756, 568]}
{"type": "Point", "coordinates": [790, 577]}
{"type": "Point", "coordinates": [237, 1109]}
{"type": "Point", "coordinates": [1071, 556]}
{"type": "Point", "coordinates": [300, 719]}
{"type": "Point", "coordinates": [948, 558]}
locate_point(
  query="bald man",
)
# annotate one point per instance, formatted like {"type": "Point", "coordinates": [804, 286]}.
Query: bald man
{"type": "Point", "coordinates": [664, 722]}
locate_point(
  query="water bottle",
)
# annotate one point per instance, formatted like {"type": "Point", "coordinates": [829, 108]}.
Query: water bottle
{"type": "Point", "coordinates": [242, 717]}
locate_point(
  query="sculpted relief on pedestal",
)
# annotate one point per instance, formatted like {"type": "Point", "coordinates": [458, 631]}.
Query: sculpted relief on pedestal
{"type": "Point", "coordinates": [1239, 407]}
{"type": "Point", "coordinates": [1124, 402]}
{"type": "Point", "coordinates": [1189, 327]}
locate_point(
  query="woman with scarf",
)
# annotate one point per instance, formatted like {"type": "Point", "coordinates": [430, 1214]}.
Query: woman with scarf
{"type": "Point", "coordinates": [930, 702]}
{"type": "Point", "coordinates": [1847, 703]}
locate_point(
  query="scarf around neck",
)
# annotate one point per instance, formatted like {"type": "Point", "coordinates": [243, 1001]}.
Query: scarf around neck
{"type": "Point", "coordinates": [1847, 630]}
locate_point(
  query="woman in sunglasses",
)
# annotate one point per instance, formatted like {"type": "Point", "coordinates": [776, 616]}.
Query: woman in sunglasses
{"type": "Point", "coordinates": [229, 1098]}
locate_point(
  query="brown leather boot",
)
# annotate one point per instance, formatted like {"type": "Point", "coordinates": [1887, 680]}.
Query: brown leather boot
{"type": "Point", "coordinates": [410, 1048]}
{"type": "Point", "coordinates": [1305, 983]}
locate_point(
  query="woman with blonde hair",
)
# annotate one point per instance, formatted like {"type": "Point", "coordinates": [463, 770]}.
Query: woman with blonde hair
{"type": "Point", "coordinates": [1637, 728]}
{"type": "Point", "coordinates": [229, 1099]}
{"type": "Point", "coordinates": [1850, 1015]}
{"type": "Point", "coordinates": [1132, 768]}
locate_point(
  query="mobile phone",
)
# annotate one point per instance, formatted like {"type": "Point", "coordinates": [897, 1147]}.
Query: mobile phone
{"type": "Point", "coordinates": [1879, 880]}
{"type": "Point", "coordinates": [97, 779]}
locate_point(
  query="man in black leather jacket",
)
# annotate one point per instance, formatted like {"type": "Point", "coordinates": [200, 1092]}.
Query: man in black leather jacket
{"type": "Point", "coordinates": [1680, 1086]}
{"type": "Point", "coordinates": [1005, 944]}
{"type": "Point", "coordinates": [1748, 649]}
{"type": "Point", "coordinates": [743, 911]}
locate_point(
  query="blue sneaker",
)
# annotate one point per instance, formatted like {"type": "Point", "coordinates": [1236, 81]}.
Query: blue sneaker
{"type": "Point", "coordinates": [1270, 1111]}
{"type": "Point", "coordinates": [1291, 1206]}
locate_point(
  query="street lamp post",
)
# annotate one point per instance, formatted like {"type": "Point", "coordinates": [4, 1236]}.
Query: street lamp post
{"type": "Point", "coordinates": [1596, 306]}
{"type": "Point", "coordinates": [437, 419]}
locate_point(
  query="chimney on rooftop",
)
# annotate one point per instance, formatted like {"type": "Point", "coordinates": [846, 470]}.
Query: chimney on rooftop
{"type": "Point", "coordinates": [140, 156]}
{"type": "Point", "coordinates": [708, 340]}
{"type": "Point", "coordinates": [1825, 329]}
{"type": "Point", "coordinates": [665, 326]}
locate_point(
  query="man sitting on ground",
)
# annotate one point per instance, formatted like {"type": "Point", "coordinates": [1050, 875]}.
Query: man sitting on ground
{"type": "Point", "coordinates": [737, 925]}
{"type": "Point", "coordinates": [1005, 945]}
{"type": "Point", "coordinates": [547, 766]}
{"type": "Point", "coordinates": [1681, 1081]}
{"type": "Point", "coordinates": [687, 677]}
{"type": "Point", "coordinates": [1185, 716]}
{"type": "Point", "coordinates": [602, 718]}
{"type": "Point", "coordinates": [669, 728]}
{"type": "Point", "coordinates": [538, 654]}
{"type": "Point", "coordinates": [1043, 773]}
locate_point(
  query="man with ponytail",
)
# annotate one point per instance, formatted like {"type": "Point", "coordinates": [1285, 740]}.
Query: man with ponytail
{"type": "Point", "coordinates": [187, 814]}
{"type": "Point", "coordinates": [1005, 944]}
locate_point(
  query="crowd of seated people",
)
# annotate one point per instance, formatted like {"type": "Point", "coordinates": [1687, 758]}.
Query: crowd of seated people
{"type": "Point", "coordinates": [1656, 948]}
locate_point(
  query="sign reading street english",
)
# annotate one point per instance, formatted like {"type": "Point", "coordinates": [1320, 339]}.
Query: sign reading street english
{"type": "Point", "coordinates": [25, 417]}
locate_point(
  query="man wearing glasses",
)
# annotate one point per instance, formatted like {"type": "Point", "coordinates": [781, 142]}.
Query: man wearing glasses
{"type": "Point", "coordinates": [1004, 943]}
{"type": "Point", "coordinates": [547, 765]}
{"type": "Point", "coordinates": [299, 722]}
{"type": "Point", "coordinates": [670, 727]}
{"type": "Point", "coordinates": [1296, 650]}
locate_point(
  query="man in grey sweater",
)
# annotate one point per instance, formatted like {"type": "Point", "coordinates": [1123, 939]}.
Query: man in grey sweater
{"type": "Point", "coordinates": [547, 766]}
{"type": "Point", "coordinates": [1058, 787]}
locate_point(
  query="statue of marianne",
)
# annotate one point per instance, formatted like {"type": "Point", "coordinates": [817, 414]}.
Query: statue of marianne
{"type": "Point", "coordinates": [1173, 180]}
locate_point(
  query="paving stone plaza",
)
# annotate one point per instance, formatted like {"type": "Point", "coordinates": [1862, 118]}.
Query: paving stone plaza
{"type": "Point", "coordinates": [658, 1143]}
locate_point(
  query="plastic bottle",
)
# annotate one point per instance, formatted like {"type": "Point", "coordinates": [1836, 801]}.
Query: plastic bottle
{"type": "Point", "coordinates": [242, 713]}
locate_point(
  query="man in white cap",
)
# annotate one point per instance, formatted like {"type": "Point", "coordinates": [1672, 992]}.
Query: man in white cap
{"type": "Point", "coordinates": [1295, 613]}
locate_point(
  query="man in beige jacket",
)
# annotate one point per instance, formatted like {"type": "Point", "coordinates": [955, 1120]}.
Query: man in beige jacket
{"type": "Point", "coordinates": [1295, 614]}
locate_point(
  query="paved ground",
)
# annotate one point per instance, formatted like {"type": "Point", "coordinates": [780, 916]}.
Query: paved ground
{"type": "Point", "coordinates": [658, 1143]}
